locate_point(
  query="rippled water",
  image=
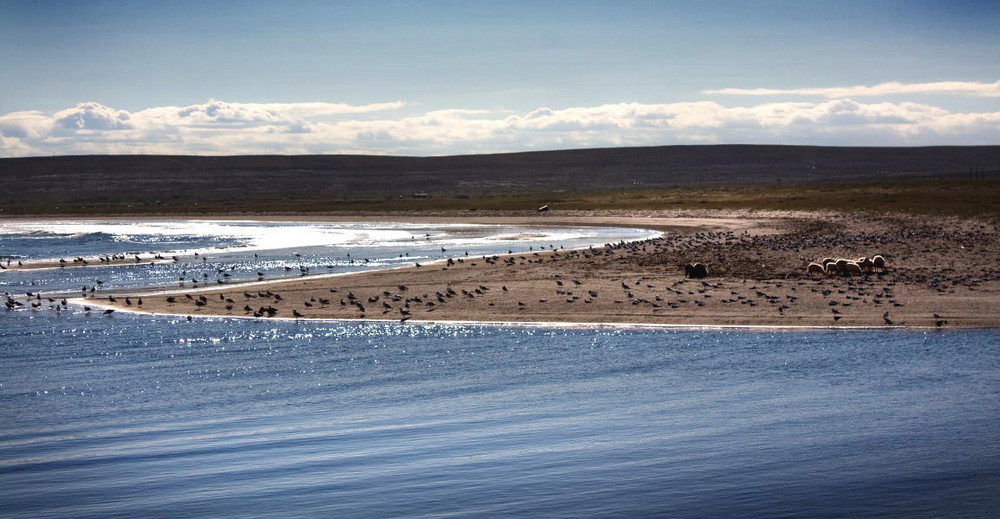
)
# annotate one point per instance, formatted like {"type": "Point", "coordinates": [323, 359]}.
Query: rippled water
{"type": "Point", "coordinates": [139, 416]}
{"type": "Point", "coordinates": [231, 251]}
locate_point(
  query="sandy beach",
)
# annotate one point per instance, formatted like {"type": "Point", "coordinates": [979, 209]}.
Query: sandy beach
{"type": "Point", "coordinates": [940, 273]}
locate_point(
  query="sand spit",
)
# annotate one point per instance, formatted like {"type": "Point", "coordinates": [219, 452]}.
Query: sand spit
{"type": "Point", "coordinates": [941, 273]}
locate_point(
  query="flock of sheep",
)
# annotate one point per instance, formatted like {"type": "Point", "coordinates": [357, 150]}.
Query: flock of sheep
{"type": "Point", "coordinates": [826, 266]}
{"type": "Point", "coordinates": [846, 267]}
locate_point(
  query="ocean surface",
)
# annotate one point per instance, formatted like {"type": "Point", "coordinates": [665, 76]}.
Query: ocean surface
{"type": "Point", "coordinates": [143, 416]}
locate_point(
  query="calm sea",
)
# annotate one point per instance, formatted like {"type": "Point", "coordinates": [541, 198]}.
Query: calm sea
{"type": "Point", "coordinates": [139, 416]}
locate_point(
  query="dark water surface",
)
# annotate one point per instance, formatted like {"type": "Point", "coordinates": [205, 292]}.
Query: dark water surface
{"type": "Point", "coordinates": [136, 416]}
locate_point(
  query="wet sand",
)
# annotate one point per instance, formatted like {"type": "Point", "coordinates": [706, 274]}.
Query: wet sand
{"type": "Point", "coordinates": [940, 273]}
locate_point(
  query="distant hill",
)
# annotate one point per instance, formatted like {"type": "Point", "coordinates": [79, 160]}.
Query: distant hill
{"type": "Point", "coordinates": [147, 182]}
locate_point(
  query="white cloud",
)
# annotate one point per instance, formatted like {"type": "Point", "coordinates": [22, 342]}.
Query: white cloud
{"type": "Point", "coordinates": [92, 116]}
{"type": "Point", "coordinates": [222, 113]}
{"type": "Point", "coordinates": [32, 124]}
{"type": "Point", "coordinates": [964, 88]}
{"type": "Point", "coordinates": [222, 128]}
{"type": "Point", "coordinates": [15, 147]}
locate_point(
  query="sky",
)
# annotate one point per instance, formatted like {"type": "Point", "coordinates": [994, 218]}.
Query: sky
{"type": "Point", "coordinates": [474, 76]}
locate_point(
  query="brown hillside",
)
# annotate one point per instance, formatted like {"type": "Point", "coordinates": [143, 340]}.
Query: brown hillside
{"type": "Point", "coordinates": [115, 184]}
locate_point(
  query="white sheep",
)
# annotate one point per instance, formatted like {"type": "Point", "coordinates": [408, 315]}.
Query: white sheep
{"type": "Point", "coordinates": [850, 268]}
{"type": "Point", "coordinates": [815, 268]}
{"type": "Point", "coordinates": [878, 263]}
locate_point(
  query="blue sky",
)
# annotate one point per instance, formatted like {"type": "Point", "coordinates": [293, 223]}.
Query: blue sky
{"type": "Point", "coordinates": [429, 78]}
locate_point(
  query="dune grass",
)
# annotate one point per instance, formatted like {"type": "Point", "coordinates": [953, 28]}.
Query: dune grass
{"type": "Point", "coordinates": [958, 198]}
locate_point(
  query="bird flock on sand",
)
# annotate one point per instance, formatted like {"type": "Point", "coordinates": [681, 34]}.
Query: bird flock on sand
{"type": "Point", "coordinates": [742, 277]}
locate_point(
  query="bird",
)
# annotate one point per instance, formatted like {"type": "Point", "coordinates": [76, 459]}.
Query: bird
{"type": "Point", "coordinates": [297, 314]}
{"type": "Point", "coordinates": [109, 311]}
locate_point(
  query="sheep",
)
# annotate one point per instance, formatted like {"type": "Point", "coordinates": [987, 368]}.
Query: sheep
{"type": "Point", "coordinates": [830, 265]}
{"type": "Point", "coordinates": [878, 263]}
{"type": "Point", "coordinates": [695, 270]}
{"type": "Point", "coordinates": [866, 264]}
{"type": "Point", "coordinates": [851, 268]}
{"type": "Point", "coordinates": [815, 268]}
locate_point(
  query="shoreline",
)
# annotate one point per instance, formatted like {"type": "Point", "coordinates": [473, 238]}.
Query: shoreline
{"type": "Point", "coordinates": [536, 324]}
{"type": "Point", "coordinates": [940, 275]}
{"type": "Point", "coordinates": [520, 218]}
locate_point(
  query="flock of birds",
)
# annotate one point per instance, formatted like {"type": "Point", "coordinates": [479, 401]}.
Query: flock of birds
{"type": "Point", "coordinates": [401, 303]}
{"type": "Point", "coordinates": [735, 256]}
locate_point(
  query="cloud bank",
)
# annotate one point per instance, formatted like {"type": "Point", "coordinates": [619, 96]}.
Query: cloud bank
{"type": "Point", "coordinates": [227, 128]}
{"type": "Point", "coordinates": [964, 88]}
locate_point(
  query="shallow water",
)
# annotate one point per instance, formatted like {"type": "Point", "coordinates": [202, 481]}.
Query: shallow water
{"type": "Point", "coordinates": [142, 416]}
{"type": "Point", "coordinates": [232, 251]}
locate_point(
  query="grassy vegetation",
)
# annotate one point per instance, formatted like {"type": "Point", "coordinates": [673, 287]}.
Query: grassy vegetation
{"type": "Point", "coordinates": [967, 198]}
{"type": "Point", "coordinates": [952, 197]}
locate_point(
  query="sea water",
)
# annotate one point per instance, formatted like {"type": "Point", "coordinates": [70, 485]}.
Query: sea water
{"type": "Point", "coordinates": [210, 252]}
{"type": "Point", "coordinates": [157, 416]}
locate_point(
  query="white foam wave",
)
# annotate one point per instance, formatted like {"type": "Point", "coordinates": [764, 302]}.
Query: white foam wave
{"type": "Point", "coordinates": [258, 236]}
